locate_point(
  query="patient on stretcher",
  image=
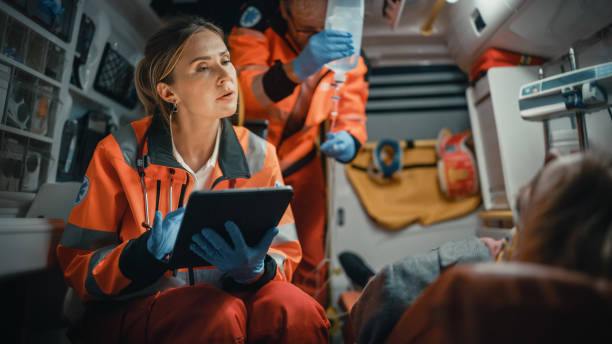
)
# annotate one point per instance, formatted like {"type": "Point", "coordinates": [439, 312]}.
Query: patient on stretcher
{"type": "Point", "coordinates": [565, 220]}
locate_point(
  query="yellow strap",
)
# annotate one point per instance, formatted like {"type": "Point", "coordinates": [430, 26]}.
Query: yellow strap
{"type": "Point", "coordinates": [427, 27]}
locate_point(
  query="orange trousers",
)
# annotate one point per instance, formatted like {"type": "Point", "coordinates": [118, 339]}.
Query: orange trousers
{"type": "Point", "coordinates": [276, 313]}
{"type": "Point", "coordinates": [308, 205]}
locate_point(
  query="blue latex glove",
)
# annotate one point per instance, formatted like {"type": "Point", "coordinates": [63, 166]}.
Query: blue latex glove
{"type": "Point", "coordinates": [339, 146]}
{"type": "Point", "coordinates": [163, 234]}
{"type": "Point", "coordinates": [242, 263]}
{"type": "Point", "coordinates": [323, 47]}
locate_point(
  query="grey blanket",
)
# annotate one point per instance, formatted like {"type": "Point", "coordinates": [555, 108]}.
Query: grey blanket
{"type": "Point", "coordinates": [392, 290]}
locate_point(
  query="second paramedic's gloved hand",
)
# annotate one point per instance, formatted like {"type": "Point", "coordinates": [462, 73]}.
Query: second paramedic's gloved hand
{"type": "Point", "coordinates": [340, 146]}
{"type": "Point", "coordinates": [323, 47]}
{"type": "Point", "coordinates": [242, 263]}
{"type": "Point", "coordinates": [163, 234]}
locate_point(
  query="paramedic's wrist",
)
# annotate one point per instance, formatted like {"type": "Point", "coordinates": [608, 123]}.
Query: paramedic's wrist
{"type": "Point", "coordinates": [248, 274]}
{"type": "Point", "coordinates": [268, 274]}
{"type": "Point", "coordinates": [341, 146]}
{"type": "Point", "coordinates": [290, 72]}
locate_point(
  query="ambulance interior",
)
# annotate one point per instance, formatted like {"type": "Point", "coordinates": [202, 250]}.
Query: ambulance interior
{"type": "Point", "coordinates": [423, 77]}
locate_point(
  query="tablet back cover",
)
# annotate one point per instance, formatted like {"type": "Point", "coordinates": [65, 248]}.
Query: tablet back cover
{"type": "Point", "coordinates": [253, 210]}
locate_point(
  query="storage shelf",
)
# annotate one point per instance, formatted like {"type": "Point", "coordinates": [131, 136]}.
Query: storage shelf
{"type": "Point", "coordinates": [67, 99]}
{"type": "Point", "coordinates": [97, 100]}
{"type": "Point", "coordinates": [29, 70]}
{"type": "Point", "coordinates": [17, 196]}
{"type": "Point", "coordinates": [20, 132]}
{"type": "Point", "coordinates": [32, 25]}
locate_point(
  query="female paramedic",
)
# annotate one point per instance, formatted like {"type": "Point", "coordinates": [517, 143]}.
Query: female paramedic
{"type": "Point", "coordinates": [114, 248]}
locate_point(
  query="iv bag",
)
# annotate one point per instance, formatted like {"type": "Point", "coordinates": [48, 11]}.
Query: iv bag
{"type": "Point", "coordinates": [345, 15]}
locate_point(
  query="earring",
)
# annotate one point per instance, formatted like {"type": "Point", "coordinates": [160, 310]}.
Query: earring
{"type": "Point", "coordinates": [174, 107]}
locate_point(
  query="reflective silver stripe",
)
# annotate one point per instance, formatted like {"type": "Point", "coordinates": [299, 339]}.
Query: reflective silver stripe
{"type": "Point", "coordinates": [86, 239]}
{"type": "Point", "coordinates": [91, 285]}
{"type": "Point", "coordinates": [280, 261]}
{"type": "Point", "coordinates": [258, 91]}
{"type": "Point", "coordinates": [128, 143]}
{"type": "Point", "coordinates": [259, 68]}
{"type": "Point", "coordinates": [286, 233]}
{"type": "Point", "coordinates": [210, 276]}
{"type": "Point", "coordinates": [256, 153]}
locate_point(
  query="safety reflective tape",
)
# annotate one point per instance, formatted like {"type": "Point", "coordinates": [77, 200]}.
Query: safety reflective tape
{"type": "Point", "coordinates": [286, 233]}
{"type": "Point", "coordinates": [258, 91]}
{"type": "Point", "coordinates": [86, 239]}
{"type": "Point", "coordinates": [259, 68]}
{"type": "Point", "coordinates": [280, 261]}
{"type": "Point", "coordinates": [256, 153]}
{"type": "Point", "coordinates": [128, 143]}
{"type": "Point", "coordinates": [91, 285]}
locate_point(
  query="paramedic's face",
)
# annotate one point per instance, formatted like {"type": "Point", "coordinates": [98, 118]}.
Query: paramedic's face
{"type": "Point", "coordinates": [204, 78]}
{"type": "Point", "coordinates": [302, 25]}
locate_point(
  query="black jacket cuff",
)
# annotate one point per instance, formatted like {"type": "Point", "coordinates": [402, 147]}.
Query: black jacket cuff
{"type": "Point", "coordinates": [276, 83]}
{"type": "Point", "coordinates": [139, 265]}
{"type": "Point", "coordinates": [269, 272]}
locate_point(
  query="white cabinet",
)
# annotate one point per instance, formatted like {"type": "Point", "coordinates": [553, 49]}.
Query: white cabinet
{"type": "Point", "coordinates": [545, 28]}
{"type": "Point", "coordinates": [509, 150]}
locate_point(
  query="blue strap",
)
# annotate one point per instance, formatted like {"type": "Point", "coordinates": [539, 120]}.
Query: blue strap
{"type": "Point", "coordinates": [395, 165]}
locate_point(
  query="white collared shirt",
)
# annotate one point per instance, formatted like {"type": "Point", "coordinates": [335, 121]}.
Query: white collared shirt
{"type": "Point", "coordinates": [203, 175]}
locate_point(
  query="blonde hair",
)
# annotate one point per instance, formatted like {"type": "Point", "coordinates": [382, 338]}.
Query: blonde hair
{"type": "Point", "coordinates": [162, 52]}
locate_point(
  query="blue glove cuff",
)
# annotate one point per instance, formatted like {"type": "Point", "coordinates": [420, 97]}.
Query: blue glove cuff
{"type": "Point", "coordinates": [348, 159]}
{"type": "Point", "coordinates": [248, 273]}
{"type": "Point", "coordinates": [229, 284]}
{"type": "Point", "coordinates": [302, 74]}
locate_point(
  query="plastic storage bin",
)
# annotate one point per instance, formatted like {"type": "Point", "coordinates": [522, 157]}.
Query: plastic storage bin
{"type": "Point", "coordinates": [54, 67]}
{"type": "Point", "coordinates": [36, 51]}
{"type": "Point", "coordinates": [12, 150]}
{"type": "Point", "coordinates": [15, 38]}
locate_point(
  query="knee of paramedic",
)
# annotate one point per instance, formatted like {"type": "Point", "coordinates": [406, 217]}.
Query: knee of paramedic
{"type": "Point", "coordinates": [280, 312]}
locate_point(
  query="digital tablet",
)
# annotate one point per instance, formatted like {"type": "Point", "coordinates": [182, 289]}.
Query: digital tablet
{"type": "Point", "coordinates": [253, 210]}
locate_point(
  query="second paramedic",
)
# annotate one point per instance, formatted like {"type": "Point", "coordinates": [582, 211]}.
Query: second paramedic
{"type": "Point", "coordinates": [280, 50]}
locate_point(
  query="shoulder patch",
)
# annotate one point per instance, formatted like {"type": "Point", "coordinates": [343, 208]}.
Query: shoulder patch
{"type": "Point", "coordinates": [83, 190]}
{"type": "Point", "coordinates": [250, 17]}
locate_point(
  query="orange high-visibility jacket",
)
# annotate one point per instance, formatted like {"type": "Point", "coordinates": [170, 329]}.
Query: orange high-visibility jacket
{"type": "Point", "coordinates": [103, 248]}
{"type": "Point", "coordinates": [259, 44]}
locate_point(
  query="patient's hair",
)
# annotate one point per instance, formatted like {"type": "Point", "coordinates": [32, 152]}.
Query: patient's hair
{"type": "Point", "coordinates": [162, 52]}
{"type": "Point", "coordinates": [570, 223]}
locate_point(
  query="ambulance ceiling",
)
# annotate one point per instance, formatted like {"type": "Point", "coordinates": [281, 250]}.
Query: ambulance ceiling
{"type": "Point", "coordinates": [404, 44]}
{"type": "Point", "coordinates": [539, 27]}
{"type": "Point", "coordinates": [384, 46]}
